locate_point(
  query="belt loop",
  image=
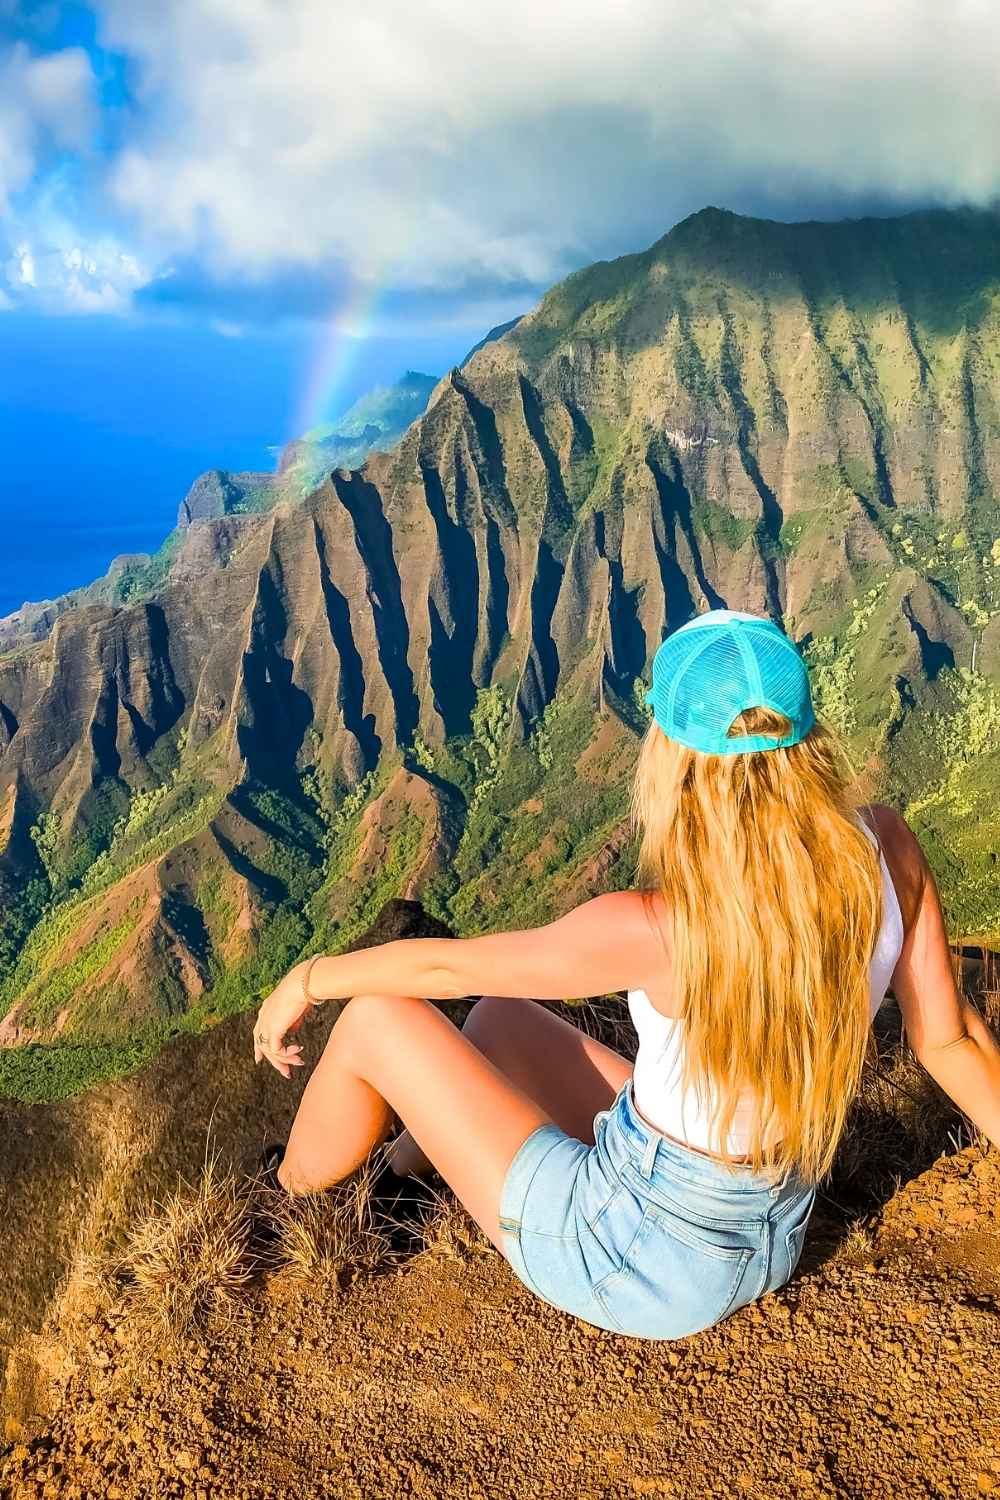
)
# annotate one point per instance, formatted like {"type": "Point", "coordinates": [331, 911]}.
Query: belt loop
{"type": "Point", "coordinates": [649, 1157]}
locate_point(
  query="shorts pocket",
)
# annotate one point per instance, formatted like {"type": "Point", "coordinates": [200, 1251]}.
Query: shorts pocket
{"type": "Point", "coordinates": [674, 1280]}
{"type": "Point", "coordinates": [678, 1209]}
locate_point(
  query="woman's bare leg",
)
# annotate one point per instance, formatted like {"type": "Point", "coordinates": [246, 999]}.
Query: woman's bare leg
{"type": "Point", "coordinates": [565, 1071]}
{"type": "Point", "coordinates": [388, 1054]}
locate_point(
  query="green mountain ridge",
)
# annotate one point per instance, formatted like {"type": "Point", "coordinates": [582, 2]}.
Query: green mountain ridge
{"type": "Point", "coordinates": [377, 419]}
{"type": "Point", "coordinates": [424, 678]}
{"type": "Point", "coordinates": [390, 408]}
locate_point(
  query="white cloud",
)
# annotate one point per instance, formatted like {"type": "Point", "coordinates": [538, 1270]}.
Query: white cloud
{"type": "Point", "coordinates": [508, 139]}
{"type": "Point", "coordinates": [47, 109]}
{"type": "Point", "coordinates": [45, 101]}
{"type": "Point", "coordinates": [58, 271]}
{"type": "Point", "coordinates": [22, 267]}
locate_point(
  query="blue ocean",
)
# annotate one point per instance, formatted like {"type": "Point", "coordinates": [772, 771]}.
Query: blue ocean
{"type": "Point", "coordinates": [63, 520]}
{"type": "Point", "coordinates": [106, 422]}
{"type": "Point", "coordinates": [104, 425]}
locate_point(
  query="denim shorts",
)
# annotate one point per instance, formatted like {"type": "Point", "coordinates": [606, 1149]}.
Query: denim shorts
{"type": "Point", "coordinates": [642, 1235]}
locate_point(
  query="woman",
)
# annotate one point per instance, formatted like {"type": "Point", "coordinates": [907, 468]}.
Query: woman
{"type": "Point", "coordinates": [653, 1199]}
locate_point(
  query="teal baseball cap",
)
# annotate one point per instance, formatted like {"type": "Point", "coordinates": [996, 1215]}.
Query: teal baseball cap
{"type": "Point", "coordinates": [719, 664]}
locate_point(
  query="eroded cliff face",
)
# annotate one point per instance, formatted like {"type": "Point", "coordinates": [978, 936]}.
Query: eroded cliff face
{"type": "Point", "coordinates": [799, 420]}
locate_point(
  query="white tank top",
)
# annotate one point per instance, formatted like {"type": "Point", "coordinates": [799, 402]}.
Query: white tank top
{"type": "Point", "coordinates": [656, 1079]}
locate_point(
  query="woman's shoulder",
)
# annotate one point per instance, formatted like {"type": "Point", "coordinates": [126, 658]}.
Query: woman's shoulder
{"type": "Point", "coordinates": [903, 855]}
{"type": "Point", "coordinates": [892, 828]}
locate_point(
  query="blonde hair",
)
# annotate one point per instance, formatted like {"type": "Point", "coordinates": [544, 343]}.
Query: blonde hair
{"type": "Point", "coordinates": [774, 896]}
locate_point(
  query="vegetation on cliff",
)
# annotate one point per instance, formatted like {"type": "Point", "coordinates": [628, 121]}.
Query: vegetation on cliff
{"type": "Point", "coordinates": [424, 676]}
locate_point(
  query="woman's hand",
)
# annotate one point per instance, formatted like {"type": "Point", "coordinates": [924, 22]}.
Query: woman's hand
{"type": "Point", "coordinates": [282, 1011]}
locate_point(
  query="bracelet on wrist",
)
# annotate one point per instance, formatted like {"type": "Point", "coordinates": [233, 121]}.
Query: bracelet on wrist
{"type": "Point", "coordinates": [306, 975]}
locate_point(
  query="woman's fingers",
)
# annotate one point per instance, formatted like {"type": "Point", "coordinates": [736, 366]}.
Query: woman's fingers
{"type": "Point", "coordinates": [276, 1063]}
{"type": "Point", "coordinates": [284, 1059]}
{"type": "Point", "coordinates": [269, 1040]}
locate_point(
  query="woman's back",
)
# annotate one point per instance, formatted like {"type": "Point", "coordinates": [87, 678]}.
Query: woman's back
{"type": "Point", "coordinates": [659, 1091]}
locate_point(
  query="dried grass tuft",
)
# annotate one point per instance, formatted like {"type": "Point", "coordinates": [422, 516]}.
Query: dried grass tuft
{"type": "Point", "coordinates": [448, 1230]}
{"type": "Point", "coordinates": [332, 1236]}
{"type": "Point", "coordinates": [857, 1246]}
{"type": "Point", "coordinates": [899, 1124]}
{"type": "Point", "coordinates": [988, 994]}
{"type": "Point", "coordinates": [185, 1262]}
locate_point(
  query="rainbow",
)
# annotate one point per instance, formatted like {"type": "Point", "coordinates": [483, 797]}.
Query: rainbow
{"type": "Point", "coordinates": [337, 349]}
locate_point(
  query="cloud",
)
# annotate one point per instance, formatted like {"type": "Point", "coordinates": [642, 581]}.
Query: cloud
{"type": "Point", "coordinates": [49, 265]}
{"type": "Point", "coordinates": [504, 142]}
{"type": "Point", "coordinates": [48, 118]}
{"type": "Point", "coordinates": [322, 293]}
{"type": "Point", "coordinates": [46, 102]}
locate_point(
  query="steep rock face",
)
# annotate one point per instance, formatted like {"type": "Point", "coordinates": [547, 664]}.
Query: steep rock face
{"type": "Point", "coordinates": [800, 420]}
{"type": "Point", "coordinates": [220, 493]}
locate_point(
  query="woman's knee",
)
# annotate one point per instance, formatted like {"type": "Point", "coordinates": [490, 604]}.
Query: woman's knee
{"type": "Point", "coordinates": [366, 1021]}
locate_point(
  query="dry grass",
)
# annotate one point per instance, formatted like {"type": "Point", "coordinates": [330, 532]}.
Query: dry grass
{"type": "Point", "coordinates": [185, 1262]}
{"type": "Point", "coordinates": [857, 1246]}
{"type": "Point", "coordinates": [449, 1231]}
{"type": "Point", "coordinates": [899, 1124]}
{"type": "Point", "coordinates": [901, 1121]}
{"type": "Point", "coordinates": [79, 1173]}
{"type": "Point", "coordinates": [988, 990]}
{"type": "Point", "coordinates": [606, 1019]}
{"type": "Point", "coordinates": [333, 1236]}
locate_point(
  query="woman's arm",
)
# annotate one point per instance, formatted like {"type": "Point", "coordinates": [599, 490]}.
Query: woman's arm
{"type": "Point", "coordinates": [947, 1033]}
{"type": "Point", "coordinates": [605, 944]}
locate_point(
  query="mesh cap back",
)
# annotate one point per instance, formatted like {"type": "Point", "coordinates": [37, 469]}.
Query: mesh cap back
{"type": "Point", "coordinates": [717, 665]}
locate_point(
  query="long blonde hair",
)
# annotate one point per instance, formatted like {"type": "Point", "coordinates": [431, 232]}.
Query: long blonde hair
{"type": "Point", "coordinates": [774, 896]}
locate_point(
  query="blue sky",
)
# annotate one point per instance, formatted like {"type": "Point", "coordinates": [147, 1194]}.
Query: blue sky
{"type": "Point", "coordinates": [219, 223]}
